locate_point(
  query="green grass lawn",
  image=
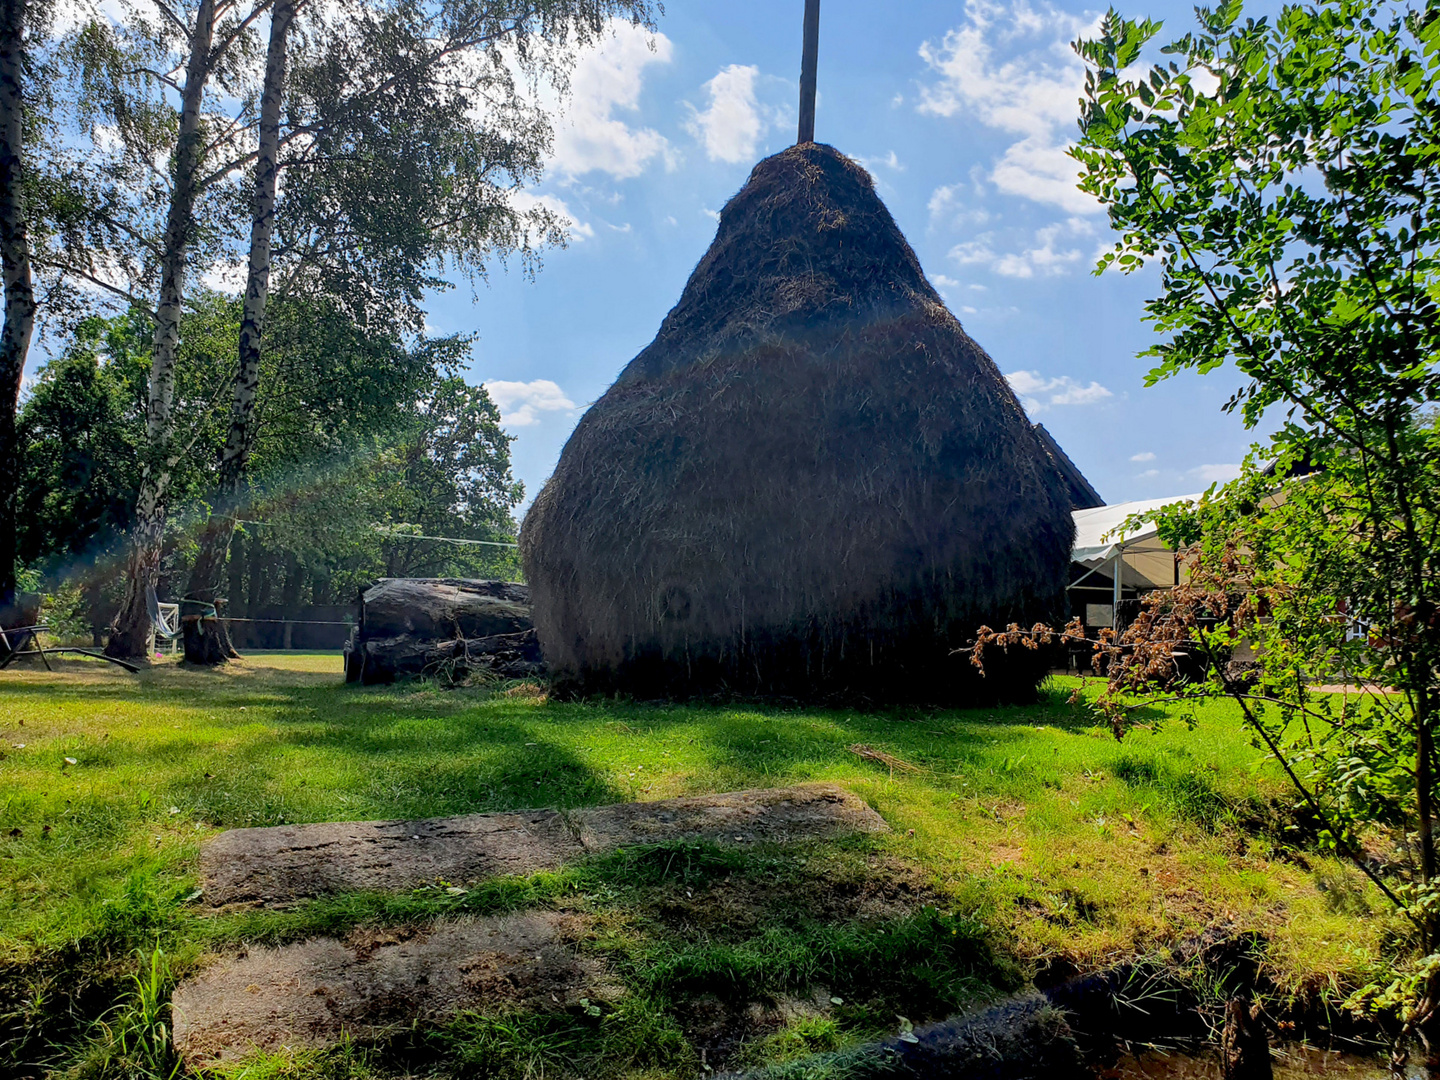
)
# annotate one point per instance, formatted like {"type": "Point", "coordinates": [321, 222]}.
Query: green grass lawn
{"type": "Point", "coordinates": [1029, 836]}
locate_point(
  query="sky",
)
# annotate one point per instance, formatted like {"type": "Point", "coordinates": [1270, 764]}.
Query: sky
{"type": "Point", "coordinates": [960, 110]}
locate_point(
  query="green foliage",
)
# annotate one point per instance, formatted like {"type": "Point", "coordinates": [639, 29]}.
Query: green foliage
{"type": "Point", "coordinates": [1188, 791]}
{"type": "Point", "coordinates": [1285, 174]}
{"type": "Point", "coordinates": [813, 1035]}
{"type": "Point", "coordinates": [633, 1033]}
{"type": "Point", "coordinates": [80, 428]}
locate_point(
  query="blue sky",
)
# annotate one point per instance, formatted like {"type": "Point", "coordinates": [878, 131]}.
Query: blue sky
{"type": "Point", "coordinates": [961, 111]}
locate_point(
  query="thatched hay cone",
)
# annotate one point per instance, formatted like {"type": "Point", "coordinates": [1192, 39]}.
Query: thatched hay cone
{"type": "Point", "coordinates": [811, 484]}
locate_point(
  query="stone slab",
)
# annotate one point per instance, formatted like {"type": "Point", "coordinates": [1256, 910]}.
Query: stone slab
{"type": "Point", "coordinates": [315, 993]}
{"type": "Point", "coordinates": [288, 863]}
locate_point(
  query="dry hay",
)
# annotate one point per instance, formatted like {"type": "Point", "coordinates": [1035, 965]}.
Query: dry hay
{"type": "Point", "coordinates": [882, 757]}
{"type": "Point", "coordinates": [811, 484]}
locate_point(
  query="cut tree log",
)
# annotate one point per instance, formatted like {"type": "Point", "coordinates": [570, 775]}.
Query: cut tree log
{"type": "Point", "coordinates": [445, 627]}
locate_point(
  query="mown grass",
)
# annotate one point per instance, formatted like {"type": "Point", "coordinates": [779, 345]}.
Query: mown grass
{"type": "Point", "coordinates": [1027, 840]}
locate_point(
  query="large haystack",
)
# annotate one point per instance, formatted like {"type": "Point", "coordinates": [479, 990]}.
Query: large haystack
{"type": "Point", "coordinates": [811, 484]}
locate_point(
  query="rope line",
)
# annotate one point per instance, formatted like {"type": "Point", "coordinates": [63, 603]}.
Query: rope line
{"type": "Point", "coordinates": [291, 622]}
{"type": "Point", "coordinates": [393, 534]}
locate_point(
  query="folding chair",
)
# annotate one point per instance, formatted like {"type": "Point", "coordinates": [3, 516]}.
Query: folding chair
{"type": "Point", "coordinates": [164, 618]}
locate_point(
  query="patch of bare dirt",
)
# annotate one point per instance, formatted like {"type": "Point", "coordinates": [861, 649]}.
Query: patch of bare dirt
{"type": "Point", "coordinates": [314, 993]}
{"type": "Point", "coordinates": [286, 863]}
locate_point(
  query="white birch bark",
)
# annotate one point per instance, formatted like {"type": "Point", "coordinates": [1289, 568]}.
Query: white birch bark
{"type": "Point", "coordinates": [19, 291]}
{"type": "Point", "coordinates": [215, 539]}
{"type": "Point", "coordinates": [132, 626]}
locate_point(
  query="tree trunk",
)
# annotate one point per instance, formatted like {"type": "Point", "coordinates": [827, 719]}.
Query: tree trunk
{"type": "Point", "coordinates": [132, 625]}
{"type": "Point", "coordinates": [215, 538]}
{"type": "Point", "coordinates": [442, 609]}
{"type": "Point", "coordinates": [253, 556]}
{"type": "Point", "coordinates": [19, 292]}
{"type": "Point", "coordinates": [1428, 1025]}
{"type": "Point", "coordinates": [294, 583]}
{"type": "Point", "coordinates": [207, 638]}
{"type": "Point", "coordinates": [261, 563]}
{"type": "Point", "coordinates": [320, 588]}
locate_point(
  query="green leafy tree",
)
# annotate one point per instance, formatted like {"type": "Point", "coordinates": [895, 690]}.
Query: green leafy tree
{"type": "Point", "coordinates": [80, 434]}
{"type": "Point", "coordinates": [1284, 176]}
{"type": "Point", "coordinates": [418, 180]}
{"type": "Point", "coordinates": [432, 496]}
{"type": "Point", "coordinates": [363, 440]}
{"type": "Point", "coordinates": [448, 475]}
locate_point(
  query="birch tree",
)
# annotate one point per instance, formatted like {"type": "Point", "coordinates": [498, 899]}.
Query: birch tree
{"type": "Point", "coordinates": [411, 133]}
{"type": "Point", "coordinates": [214, 646]}
{"type": "Point", "coordinates": [19, 291]}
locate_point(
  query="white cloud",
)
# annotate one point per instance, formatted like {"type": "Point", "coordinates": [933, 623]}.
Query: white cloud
{"type": "Point", "coordinates": [974, 252]}
{"type": "Point", "coordinates": [890, 161]}
{"type": "Point", "coordinates": [1045, 256]}
{"type": "Point", "coordinates": [1145, 455]}
{"type": "Point", "coordinates": [713, 215]}
{"type": "Point", "coordinates": [1010, 66]}
{"type": "Point", "coordinates": [1037, 393]}
{"type": "Point", "coordinates": [732, 125]}
{"type": "Point", "coordinates": [940, 281]}
{"type": "Point", "coordinates": [1042, 173]}
{"type": "Point", "coordinates": [947, 206]}
{"type": "Point", "coordinates": [1148, 474]}
{"type": "Point", "coordinates": [525, 201]}
{"type": "Point", "coordinates": [1215, 474]}
{"type": "Point", "coordinates": [521, 403]}
{"type": "Point", "coordinates": [609, 78]}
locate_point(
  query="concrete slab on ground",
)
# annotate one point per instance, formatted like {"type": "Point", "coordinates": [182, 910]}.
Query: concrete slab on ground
{"type": "Point", "coordinates": [311, 994]}
{"type": "Point", "coordinates": [288, 863]}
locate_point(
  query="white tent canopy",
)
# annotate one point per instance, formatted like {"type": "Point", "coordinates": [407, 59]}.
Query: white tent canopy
{"type": "Point", "coordinates": [1097, 532]}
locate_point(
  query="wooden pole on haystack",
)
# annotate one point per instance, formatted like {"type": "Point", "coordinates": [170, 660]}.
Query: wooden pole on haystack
{"type": "Point", "coordinates": [807, 72]}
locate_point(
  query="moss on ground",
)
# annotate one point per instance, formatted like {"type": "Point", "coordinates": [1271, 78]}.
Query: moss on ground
{"type": "Point", "coordinates": [1026, 841]}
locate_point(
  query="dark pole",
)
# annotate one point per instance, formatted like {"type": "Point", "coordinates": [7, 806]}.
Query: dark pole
{"type": "Point", "coordinates": [807, 71]}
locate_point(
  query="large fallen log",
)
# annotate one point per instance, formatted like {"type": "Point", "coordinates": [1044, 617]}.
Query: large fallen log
{"type": "Point", "coordinates": [445, 627]}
